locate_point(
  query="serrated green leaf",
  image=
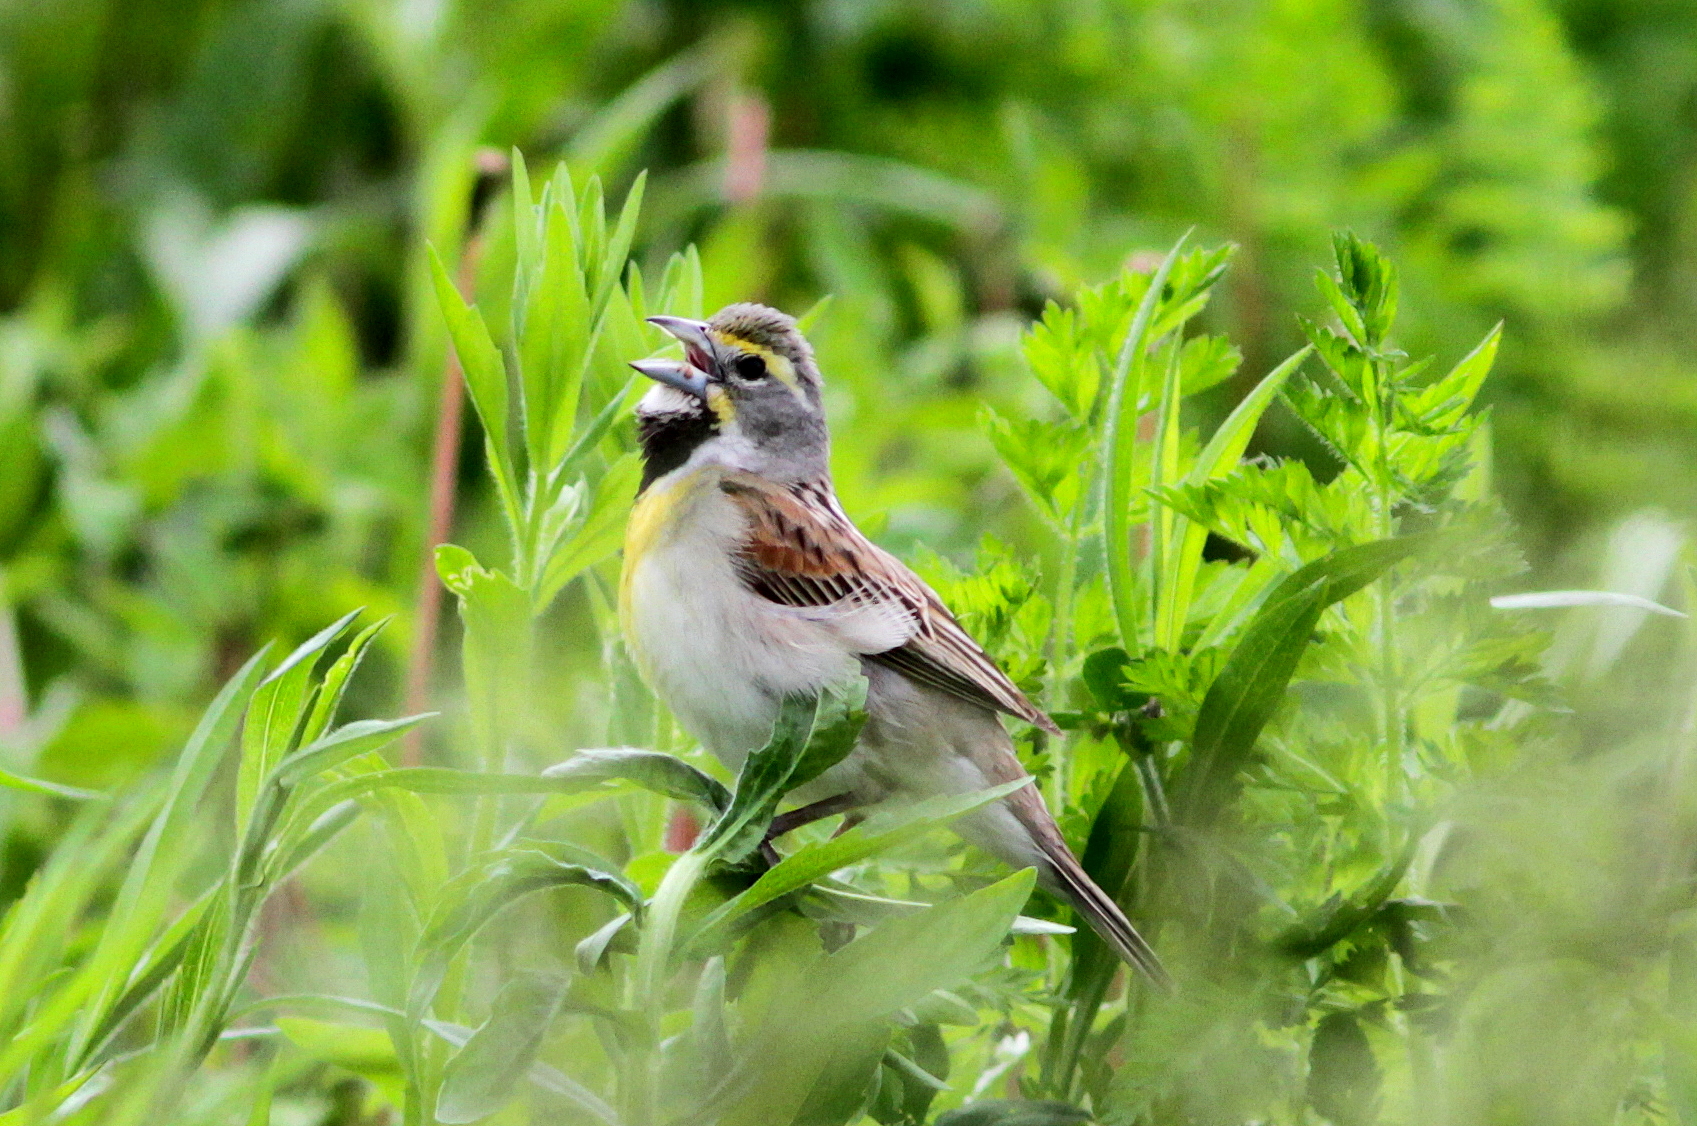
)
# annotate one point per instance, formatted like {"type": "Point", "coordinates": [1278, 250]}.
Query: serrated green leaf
{"type": "Point", "coordinates": [1445, 401]}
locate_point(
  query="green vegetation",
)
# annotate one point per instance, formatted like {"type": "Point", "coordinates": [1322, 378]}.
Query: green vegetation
{"type": "Point", "coordinates": [1412, 831]}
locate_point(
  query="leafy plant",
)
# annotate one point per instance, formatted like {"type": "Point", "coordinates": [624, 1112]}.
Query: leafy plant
{"type": "Point", "coordinates": [1278, 682]}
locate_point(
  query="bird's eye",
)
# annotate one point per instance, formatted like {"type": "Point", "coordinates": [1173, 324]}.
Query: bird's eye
{"type": "Point", "coordinates": [751, 368]}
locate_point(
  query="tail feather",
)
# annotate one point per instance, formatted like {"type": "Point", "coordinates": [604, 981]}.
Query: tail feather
{"type": "Point", "coordinates": [1061, 873]}
{"type": "Point", "coordinates": [1104, 916]}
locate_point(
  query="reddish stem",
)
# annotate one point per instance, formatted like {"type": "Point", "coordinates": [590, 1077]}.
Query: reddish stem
{"type": "Point", "coordinates": [444, 468]}
{"type": "Point", "coordinates": [747, 138]}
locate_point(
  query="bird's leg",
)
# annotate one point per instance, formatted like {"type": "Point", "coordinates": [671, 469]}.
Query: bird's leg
{"type": "Point", "coordinates": [802, 815]}
{"type": "Point", "coordinates": [807, 814]}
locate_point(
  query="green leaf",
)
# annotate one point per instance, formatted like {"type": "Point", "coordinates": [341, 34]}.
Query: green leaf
{"type": "Point", "coordinates": [145, 894]}
{"type": "Point", "coordinates": [599, 534]}
{"type": "Point", "coordinates": [1118, 439]}
{"type": "Point", "coordinates": [904, 959]}
{"type": "Point", "coordinates": [326, 827]}
{"type": "Point", "coordinates": [1063, 360]}
{"type": "Point", "coordinates": [836, 728]}
{"type": "Point", "coordinates": [1367, 285]}
{"type": "Point", "coordinates": [1219, 457]}
{"type": "Point", "coordinates": [1344, 915]}
{"type": "Point", "coordinates": [274, 719]}
{"type": "Point", "coordinates": [94, 849]}
{"type": "Point", "coordinates": [1014, 1112]}
{"type": "Point", "coordinates": [160, 963]}
{"type": "Point", "coordinates": [346, 742]}
{"type": "Point", "coordinates": [552, 330]}
{"type": "Point", "coordinates": [486, 890]}
{"type": "Point", "coordinates": [1103, 673]}
{"type": "Point", "coordinates": [617, 254]}
{"type": "Point", "coordinates": [1252, 684]}
{"type": "Point", "coordinates": [1443, 402]}
{"type": "Point", "coordinates": [546, 1078]}
{"type": "Point", "coordinates": [710, 1039]}
{"type": "Point", "coordinates": [1343, 1075]}
{"type": "Point", "coordinates": [592, 951]}
{"type": "Point", "coordinates": [363, 1051]}
{"type": "Point", "coordinates": [1044, 457]}
{"type": "Point", "coordinates": [483, 1075]}
{"type": "Point", "coordinates": [1116, 834]}
{"type": "Point", "coordinates": [485, 372]}
{"type": "Point", "coordinates": [1205, 361]}
{"type": "Point", "coordinates": [1232, 436]}
{"type": "Point", "coordinates": [845, 1077]}
{"type": "Point", "coordinates": [496, 654]}
{"type": "Point", "coordinates": [1164, 466]}
{"type": "Point", "coordinates": [53, 789]}
{"type": "Point", "coordinates": [811, 1049]}
{"type": "Point", "coordinates": [884, 830]}
{"type": "Point", "coordinates": [388, 929]}
{"type": "Point", "coordinates": [762, 784]}
{"type": "Point", "coordinates": [335, 682]}
{"type": "Point", "coordinates": [652, 770]}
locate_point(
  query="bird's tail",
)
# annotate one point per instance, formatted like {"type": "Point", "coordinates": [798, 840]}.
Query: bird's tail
{"type": "Point", "coordinates": [1061, 874]}
{"type": "Point", "coordinates": [1065, 876]}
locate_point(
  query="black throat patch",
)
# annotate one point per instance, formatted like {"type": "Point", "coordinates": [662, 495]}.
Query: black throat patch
{"type": "Point", "coordinates": [668, 440]}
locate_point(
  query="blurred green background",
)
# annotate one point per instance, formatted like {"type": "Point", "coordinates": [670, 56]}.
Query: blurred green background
{"type": "Point", "coordinates": [218, 368]}
{"type": "Point", "coordinates": [220, 362]}
{"type": "Point", "coordinates": [221, 359]}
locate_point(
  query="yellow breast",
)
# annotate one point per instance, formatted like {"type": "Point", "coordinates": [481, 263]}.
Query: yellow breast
{"type": "Point", "coordinates": [653, 521]}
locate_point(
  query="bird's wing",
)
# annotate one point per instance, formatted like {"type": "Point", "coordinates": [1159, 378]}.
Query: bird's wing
{"type": "Point", "coordinates": [801, 550]}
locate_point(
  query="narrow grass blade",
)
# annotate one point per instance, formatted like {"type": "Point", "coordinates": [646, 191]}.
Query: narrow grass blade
{"type": "Point", "coordinates": [1118, 441]}
{"type": "Point", "coordinates": [1562, 599]}
{"type": "Point", "coordinates": [52, 789]}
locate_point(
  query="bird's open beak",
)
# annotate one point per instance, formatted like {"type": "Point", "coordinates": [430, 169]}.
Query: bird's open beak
{"type": "Point", "coordinates": [698, 346]}
{"type": "Point", "coordinates": [690, 376]}
{"type": "Point", "coordinates": [675, 373]}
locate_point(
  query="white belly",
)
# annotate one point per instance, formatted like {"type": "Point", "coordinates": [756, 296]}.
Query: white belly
{"type": "Point", "coordinates": [719, 656]}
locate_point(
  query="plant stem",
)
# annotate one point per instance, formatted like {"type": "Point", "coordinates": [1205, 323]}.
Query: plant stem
{"type": "Point", "coordinates": [1060, 649]}
{"type": "Point", "coordinates": [1392, 719]}
{"type": "Point", "coordinates": [653, 958]}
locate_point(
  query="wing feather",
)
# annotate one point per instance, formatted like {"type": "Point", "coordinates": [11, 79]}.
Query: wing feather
{"type": "Point", "coordinates": [801, 550]}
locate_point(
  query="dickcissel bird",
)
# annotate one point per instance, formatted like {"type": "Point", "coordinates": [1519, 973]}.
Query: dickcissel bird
{"type": "Point", "coordinates": [744, 582]}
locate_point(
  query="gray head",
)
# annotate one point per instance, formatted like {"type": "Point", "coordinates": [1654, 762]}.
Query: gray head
{"type": "Point", "coordinates": [747, 392]}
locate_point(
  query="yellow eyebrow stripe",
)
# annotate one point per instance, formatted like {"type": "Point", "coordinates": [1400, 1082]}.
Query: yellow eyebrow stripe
{"type": "Point", "coordinates": [779, 366]}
